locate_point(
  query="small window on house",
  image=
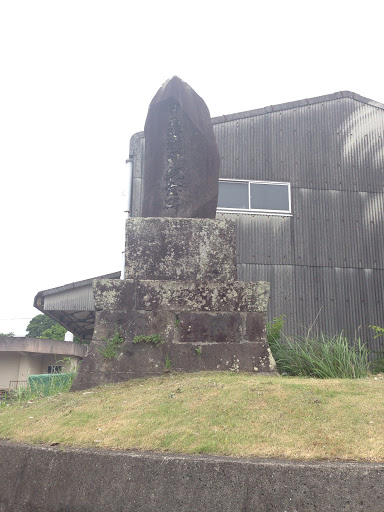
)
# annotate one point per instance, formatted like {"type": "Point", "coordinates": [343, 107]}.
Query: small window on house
{"type": "Point", "coordinates": [263, 197]}
{"type": "Point", "coordinates": [54, 368]}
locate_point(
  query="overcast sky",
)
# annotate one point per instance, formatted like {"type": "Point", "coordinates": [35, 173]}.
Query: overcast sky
{"type": "Point", "coordinates": [76, 80]}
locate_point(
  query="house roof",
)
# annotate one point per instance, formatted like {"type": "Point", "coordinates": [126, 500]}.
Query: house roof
{"type": "Point", "coordinates": [72, 305]}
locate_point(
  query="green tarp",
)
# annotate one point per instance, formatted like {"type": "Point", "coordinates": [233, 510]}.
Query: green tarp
{"type": "Point", "coordinates": [46, 383]}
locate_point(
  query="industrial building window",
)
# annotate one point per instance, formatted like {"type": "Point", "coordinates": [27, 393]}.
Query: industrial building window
{"type": "Point", "coordinates": [264, 197]}
{"type": "Point", "coordinates": [54, 368]}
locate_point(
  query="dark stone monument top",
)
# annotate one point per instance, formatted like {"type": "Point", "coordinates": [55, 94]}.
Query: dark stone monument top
{"type": "Point", "coordinates": [181, 171]}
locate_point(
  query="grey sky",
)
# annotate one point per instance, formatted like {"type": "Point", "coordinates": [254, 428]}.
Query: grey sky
{"type": "Point", "coordinates": [76, 81]}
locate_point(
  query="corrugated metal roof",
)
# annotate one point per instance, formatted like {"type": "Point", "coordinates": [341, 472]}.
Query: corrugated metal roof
{"type": "Point", "coordinates": [72, 305]}
{"type": "Point", "coordinates": [77, 284]}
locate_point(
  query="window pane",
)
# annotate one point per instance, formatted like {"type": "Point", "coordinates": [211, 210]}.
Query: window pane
{"type": "Point", "coordinates": [269, 197]}
{"type": "Point", "coordinates": [233, 195]}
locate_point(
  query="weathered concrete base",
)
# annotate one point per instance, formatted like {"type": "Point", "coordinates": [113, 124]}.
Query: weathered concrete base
{"type": "Point", "coordinates": [146, 360]}
{"type": "Point", "coordinates": [68, 480]}
{"type": "Point", "coordinates": [204, 326]}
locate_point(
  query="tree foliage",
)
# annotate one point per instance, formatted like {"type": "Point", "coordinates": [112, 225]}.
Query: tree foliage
{"type": "Point", "coordinates": [7, 334]}
{"type": "Point", "coordinates": [41, 326]}
{"type": "Point", "coordinates": [38, 325]}
{"type": "Point", "coordinates": [56, 332]}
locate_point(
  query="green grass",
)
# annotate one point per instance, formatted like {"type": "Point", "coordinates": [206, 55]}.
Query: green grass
{"type": "Point", "coordinates": [220, 413]}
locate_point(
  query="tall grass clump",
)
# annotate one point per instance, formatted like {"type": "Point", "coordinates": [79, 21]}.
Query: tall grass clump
{"type": "Point", "coordinates": [323, 357]}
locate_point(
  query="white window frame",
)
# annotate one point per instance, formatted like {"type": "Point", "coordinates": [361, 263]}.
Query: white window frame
{"type": "Point", "coordinates": [282, 213]}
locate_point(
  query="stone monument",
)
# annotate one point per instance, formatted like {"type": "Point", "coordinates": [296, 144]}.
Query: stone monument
{"type": "Point", "coordinates": [181, 170]}
{"type": "Point", "coordinates": [179, 306]}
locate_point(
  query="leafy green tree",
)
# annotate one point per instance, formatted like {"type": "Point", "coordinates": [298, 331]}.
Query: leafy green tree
{"type": "Point", "coordinates": [56, 332]}
{"type": "Point", "coordinates": [41, 326]}
{"type": "Point", "coordinates": [7, 335]}
{"type": "Point", "coordinates": [38, 325]}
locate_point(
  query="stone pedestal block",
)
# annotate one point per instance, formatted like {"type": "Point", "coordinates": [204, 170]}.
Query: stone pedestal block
{"type": "Point", "coordinates": [203, 325]}
{"type": "Point", "coordinates": [180, 289]}
{"type": "Point", "coordinates": [180, 249]}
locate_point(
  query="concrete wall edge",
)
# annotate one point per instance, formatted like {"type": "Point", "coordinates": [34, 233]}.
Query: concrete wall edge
{"type": "Point", "coordinates": [63, 479]}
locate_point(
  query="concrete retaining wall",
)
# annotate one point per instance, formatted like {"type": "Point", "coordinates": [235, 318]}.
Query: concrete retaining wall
{"type": "Point", "coordinates": [55, 479]}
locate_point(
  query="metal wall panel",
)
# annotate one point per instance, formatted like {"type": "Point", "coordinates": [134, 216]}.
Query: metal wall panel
{"type": "Point", "coordinates": [330, 300]}
{"type": "Point", "coordinates": [338, 228]}
{"type": "Point", "coordinates": [262, 239]}
{"type": "Point", "coordinates": [327, 260]}
{"type": "Point", "coordinates": [334, 145]}
{"type": "Point", "coordinates": [316, 233]}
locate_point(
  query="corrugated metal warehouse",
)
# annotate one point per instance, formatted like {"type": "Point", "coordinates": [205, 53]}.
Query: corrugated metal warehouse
{"type": "Point", "coordinates": [304, 181]}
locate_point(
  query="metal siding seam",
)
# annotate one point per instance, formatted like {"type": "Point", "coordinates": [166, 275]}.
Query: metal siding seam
{"type": "Point", "coordinates": [359, 287]}
{"type": "Point", "coordinates": [260, 155]}
{"type": "Point", "coordinates": [307, 318]}
{"type": "Point", "coordinates": [313, 318]}
{"type": "Point", "coordinates": [236, 172]}
{"type": "Point", "coordinates": [343, 292]}
{"type": "Point", "coordinates": [333, 300]}
{"type": "Point", "coordinates": [229, 153]}
{"type": "Point", "coordinates": [306, 299]}
{"type": "Point", "coordinates": [369, 227]}
{"type": "Point", "coordinates": [353, 298]}
{"type": "Point", "coordinates": [376, 224]}
{"type": "Point", "coordinates": [239, 170]}
{"type": "Point", "coordinates": [327, 301]}
{"type": "Point", "coordinates": [379, 229]}
{"type": "Point", "coordinates": [341, 310]}
{"type": "Point", "coordinates": [336, 232]}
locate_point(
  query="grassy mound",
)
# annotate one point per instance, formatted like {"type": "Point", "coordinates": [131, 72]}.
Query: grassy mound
{"type": "Point", "coordinates": [213, 413]}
